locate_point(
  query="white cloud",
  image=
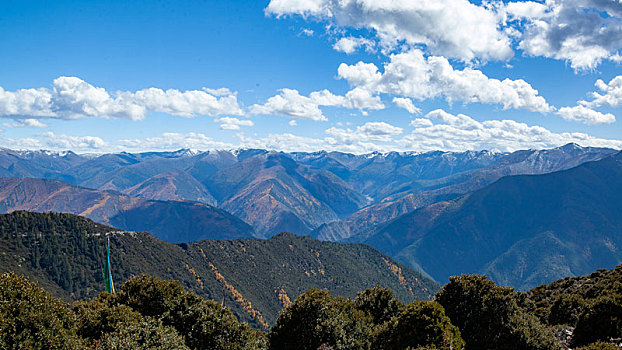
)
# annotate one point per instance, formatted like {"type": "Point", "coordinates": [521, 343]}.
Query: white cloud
{"type": "Point", "coordinates": [307, 32]}
{"type": "Point", "coordinates": [526, 10]}
{"type": "Point", "coordinates": [445, 27]}
{"type": "Point", "coordinates": [411, 74]}
{"type": "Point", "coordinates": [349, 45]}
{"type": "Point", "coordinates": [229, 123]}
{"type": "Point", "coordinates": [292, 122]}
{"type": "Point", "coordinates": [287, 142]}
{"type": "Point", "coordinates": [290, 103]}
{"type": "Point", "coordinates": [421, 122]}
{"type": "Point", "coordinates": [439, 130]}
{"type": "Point", "coordinates": [171, 141]}
{"type": "Point", "coordinates": [283, 142]}
{"type": "Point", "coordinates": [583, 32]}
{"type": "Point", "coordinates": [461, 132]}
{"type": "Point", "coordinates": [611, 94]}
{"type": "Point", "coordinates": [73, 98]}
{"type": "Point", "coordinates": [26, 123]}
{"type": "Point", "coordinates": [449, 133]}
{"type": "Point", "coordinates": [189, 103]}
{"type": "Point", "coordinates": [406, 104]}
{"type": "Point", "coordinates": [65, 142]}
{"type": "Point", "coordinates": [586, 115]}
{"type": "Point", "coordinates": [368, 132]}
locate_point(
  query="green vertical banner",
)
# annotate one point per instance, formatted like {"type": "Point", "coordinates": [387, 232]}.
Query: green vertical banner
{"type": "Point", "coordinates": [107, 271]}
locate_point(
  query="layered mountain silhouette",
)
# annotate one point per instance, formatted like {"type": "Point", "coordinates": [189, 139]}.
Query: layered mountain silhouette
{"type": "Point", "coordinates": [329, 195]}
{"type": "Point", "coordinates": [406, 204]}
{"type": "Point", "coordinates": [257, 278]}
{"type": "Point", "coordinates": [521, 230]}
{"type": "Point", "coordinates": [173, 221]}
{"type": "Point", "coordinates": [358, 226]}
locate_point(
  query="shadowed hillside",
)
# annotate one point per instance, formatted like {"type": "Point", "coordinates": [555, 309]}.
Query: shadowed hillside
{"type": "Point", "coordinates": [65, 253]}
{"type": "Point", "coordinates": [521, 231]}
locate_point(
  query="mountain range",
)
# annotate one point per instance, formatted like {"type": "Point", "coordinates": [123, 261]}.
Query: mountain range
{"type": "Point", "coordinates": [521, 230]}
{"type": "Point", "coordinates": [439, 212]}
{"type": "Point", "coordinates": [255, 278]}
{"type": "Point", "coordinates": [329, 195]}
{"type": "Point", "coordinates": [173, 221]}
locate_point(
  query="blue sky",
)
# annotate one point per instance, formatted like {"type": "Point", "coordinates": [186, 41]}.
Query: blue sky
{"type": "Point", "coordinates": [355, 76]}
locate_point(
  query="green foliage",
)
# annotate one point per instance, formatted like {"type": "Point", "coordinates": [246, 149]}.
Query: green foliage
{"type": "Point", "coordinates": [566, 309]}
{"type": "Point", "coordinates": [600, 345]}
{"type": "Point", "coordinates": [143, 335]}
{"type": "Point", "coordinates": [569, 296]}
{"type": "Point", "coordinates": [63, 247]}
{"type": "Point", "coordinates": [600, 321]}
{"type": "Point", "coordinates": [151, 296]}
{"type": "Point", "coordinates": [104, 315]}
{"type": "Point", "coordinates": [489, 317]}
{"type": "Point", "coordinates": [318, 319]}
{"type": "Point", "coordinates": [65, 254]}
{"type": "Point", "coordinates": [422, 324]}
{"type": "Point", "coordinates": [205, 324]}
{"type": "Point", "coordinates": [379, 304]}
{"type": "Point", "coordinates": [30, 318]}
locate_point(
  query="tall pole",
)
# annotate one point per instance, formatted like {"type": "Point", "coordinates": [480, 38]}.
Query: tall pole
{"type": "Point", "coordinates": [109, 287]}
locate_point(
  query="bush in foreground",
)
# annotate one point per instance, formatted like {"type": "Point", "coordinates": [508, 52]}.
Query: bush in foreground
{"type": "Point", "coordinates": [30, 318]}
{"type": "Point", "coordinates": [489, 317]}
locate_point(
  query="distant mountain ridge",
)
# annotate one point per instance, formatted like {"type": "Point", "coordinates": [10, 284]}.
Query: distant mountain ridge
{"type": "Point", "coordinates": [65, 254]}
{"type": "Point", "coordinates": [174, 221]}
{"type": "Point", "coordinates": [330, 195]}
{"type": "Point", "coordinates": [358, 226]}
{"type": "Point", "coordinates": [521, 230]}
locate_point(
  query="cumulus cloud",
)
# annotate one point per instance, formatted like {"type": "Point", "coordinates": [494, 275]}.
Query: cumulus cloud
{"type": "Point", "coordinates": [461, 132]}
{"type": "Point", "coordinates": [290, 103]}
{"type": "Point", "coordinates": [445, 27]}
{"type": "Point", "coordinates": [406, 104]}
{"type": "Point", "coordinates": [414, 75]}
{"type": "Point", "coordinates": [292, 122]}
{"type": "Point", "coordinates": [229, 123]}
{"type": "Point", "coordinates": [439, 130]}
{"type": "Point", "coordinates": [371, 131]}
{"type": "Point", "coordinates": [172, 141]}
{"type": "Point", "coordinates": [73, 98]}
{"type": "Point", "coordinates": [586, 115]}
{"type": "Point", "coordinates": [349, 45]}
{"type": "Point", "coordinates": [421, 122]}
{"type": "Point", "coordinates": [526, 10]}
{"type": "Point", "coordinates": [583, 32]}
{"type": "Point", "coordinates": [611, 94]}
{"type": "Point", "coordinates": [26, 123]}
{"type": "Point", "coordinates": [67, 142]}
{"type": "Point", "coordinates": [288, 142]}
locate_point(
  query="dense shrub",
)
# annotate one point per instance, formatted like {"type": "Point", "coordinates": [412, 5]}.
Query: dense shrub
{"type": "Point", "coordinates": [204, 323]}
{"type": "Point", "coordinates": [104, 315]}
{"type": "Point", "coordinates": [379, 304]}
{"type": "Point", "coordinates": [317, 319]}
{"type": "Point", "coordinates": [600, 321]}
{"type": "Point", "coordinates": [566, 309]}
{"type": "Point", "coordinates": [30, 318]}
{"type": "Point", "coordinates": [489, 317]}
{"type": "Point", "coordinates": [599, 345]}
{"type": "Point", "coordinates": [422, 324]}
{"type": "Point", "coordinates": [147, 335]}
